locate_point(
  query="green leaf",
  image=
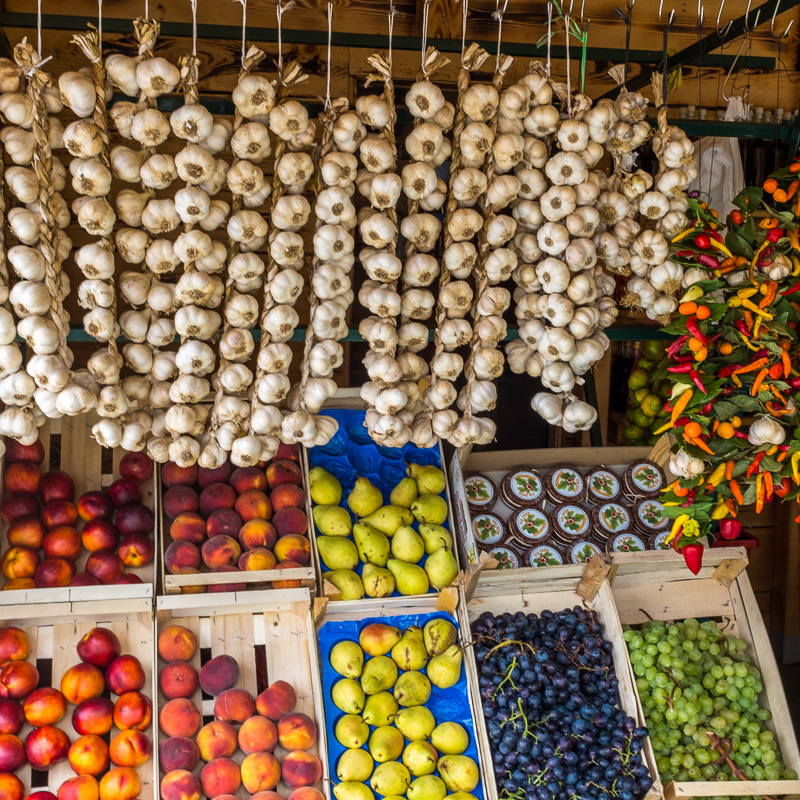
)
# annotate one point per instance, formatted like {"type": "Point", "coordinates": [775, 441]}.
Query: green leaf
{"type": "Point", "coordinates": [724, 409]}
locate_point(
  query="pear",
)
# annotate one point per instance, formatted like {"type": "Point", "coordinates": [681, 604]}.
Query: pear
{"type": "Point", "coordinates": [444, 670]}
{"type": "Point", "coordinates": [386, 744]}
{"type": "Point", "coordinates": [380, 709]}
{"type": "Point", "coordinates": [463, 796]}
{"type": "Point", "coordinates": [420, 758]}
{"type": "Point", "coordinates": [429, 479]}
{"type": "Point", "coordinates": [347, 659]}
{"type": "Point", "coordinates": [332, 520]}
{"type": "Point", "coordinates": [450, 738]}
{"type": "Point", "coordinates": [409, 653]}
{"type": "Point", "coordinates": [441, 568]}
{"type": "Point", "coordinates": [377, 639]}
{"type": "Point", "coordinates": [430, 508]}
{"type": "Point", "coordinates": [337, 552]}
{"type": "Point", "coordinates": [348, 696]}
{"type": "Point", "coordinates": [405, 493]}
{"type": "Point", "coordinates": [351, 731]}
{"type": "Point", "coordinates": [347, 582]}
{"type": "Point", "coordinates": [364, 499]}
{"type": "Point", "coordinates": [459, 773]}
{"type": "Point", "coordinates": [389, 518]}
{"type": "Point", "coordinates": [407, 545]}
{"type": "Point", "coordinates": [354, 765]}
{"type": "Point", "coordinates": [352, 790]}
{"type": "Point", "coordinates": [435, 536]}
{"type": "Point", "coordinates": [380, 674]}
{"type": "Point", "coordinates": [412, 689]}
{"type": "Point", "coordinates": [408, 578]}
{"type": "Point", "coordinates": [439, 634]}
{"type": "Point", "coordinates": [390, 778]}
{"type": "Point", "coordinates": [324, 488]}
{"type": "Point", "coordinates": [373, 546]}
{"type": "Point", "coordinates": [415, 723]}
{"type": "Point", "coordinates": [377, 582]}
{"type": "Point", "coordinates": [428, 787]}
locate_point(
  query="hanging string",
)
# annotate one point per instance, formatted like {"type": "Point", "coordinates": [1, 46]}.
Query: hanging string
{"type": "Point", "coordinates": [99, 24]}
{"type": "Point", "coordinates": [279, 16]}
{"type": "Point", "coordinates": [567, 19]}
{"type": "Point", "coordinates": [392, 12]}
{"type": "Point", "coordinates": [425, 10]}
{"type": "Point", "coordinates": [39, 28]}
{"type": "Point", "coordinates": [194, 27]}
{"type": "Point", "coordinates": [549, 32]}
{"type": "Point", "coordinates": [328, 71]}
{"type": "Point", "coordinates": [244, 27]}
{"type": "Point", "coordinates": [464, 12]}
{"type": "Point", "coordinates": [147, 9]}
{"type": "Point", "coordinates": [498, 15]}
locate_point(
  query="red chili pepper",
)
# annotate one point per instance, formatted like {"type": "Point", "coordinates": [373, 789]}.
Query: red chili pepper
{"type": "Point", "coordinates": [730, 528]}
{"type": "Point", "coordinates": [706, 261]}
{"type": "Point", "coordinates": [753, 468]}
{"type": "Point", "coordinates": [741, 326]}
{"type": "Point", "coordinates": [794, 383]}
{"type": "Point", "coordinates": [681, 421]}
{"type": "Point", "coordinates": [760, 353]}
{"type": "Point", "coordinates": [693, 556]}
{"type": "Point", "coordinates": [694, 329]}
{"type": "Point", "coordinates": [689, 498]}
{"type": "Point", "coordinates": [726, 371]}
{"type": "Point", "coordinates": [791, 291]}
{"type": "Point", "coordinates": [677, 539]}
{"type": "Point", "coordinates": [773, 234]}
{"type": "Point", "coordinates": [782, 489]}
{"type": "Point", "coordinates": [677, 344]}
{"type": "Point", "coordinates": [696, 381]}
{"type": "Point", "coordinates": [688, 358]}
{"type": "Point", "coordinates": [685, 253]}
{"type": "Point", "coordinates": [740, 434]}
{"type": "Point", "coordinates": [681, 368]}
{"type": "Point", "coordinates": [707, 407]}
{"type": "Point", "coordinates": [714, 235]}
{"type": "Point", "coordinates": [702, 241]}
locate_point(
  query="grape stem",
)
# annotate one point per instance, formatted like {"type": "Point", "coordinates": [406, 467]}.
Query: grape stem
{"type": "Point", "coordinates": [724, 747]}
{"type": "Point", "coordinates": [509, 672]}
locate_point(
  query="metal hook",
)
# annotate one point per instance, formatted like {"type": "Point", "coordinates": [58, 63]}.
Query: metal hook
{"type": "Point", "coordinates": [666, 27]}
{"type": "Point", "coordinates": [723, 31]}
{"type": "Point", "coordinates": [700, 20]}
{"type": "Point", "coordinates": [392, 12]}
{"type": "Point", "coordinates": [328, 76]}
{"type": "Point", "coordinates": [627, 17]}
{"type": "Point", "coordinates": [748, 32]}
{"type": "Point", "coordinates": [782, 36]}
{"type": "Point", "coordinates": [464, 12]}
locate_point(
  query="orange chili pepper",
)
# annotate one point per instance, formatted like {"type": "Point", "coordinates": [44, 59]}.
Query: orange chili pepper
{"type": "Point", "coordinates": [680, 491]}
{"type": "Point", "coordinates": [770, 185]}
{"type": "Point", "coordinates": [769, 297]}
{"type": "Point", "coordinates": [768, 222]}
{"type": "Point", "coordinates": [776, 371]}
{"type": "Point", "coordinates": [725, 270]}
{"type": "Point", "coordinates": [748, 320]}
{"type": "Point", "coordinates": [795, 168]}
{"type": "Point", "coordinates": [758, 381]}
{"type": "Point", "coordinates": [780, 196]}
{"type": "Point", "coordinates": [741, 261]}
{"type": "Point", "coordinates": [731, 506]}
{"type": "Point", "coordinates": [792, 190]}
{"type": "Point", "coordinates": [714, 426]}
{"type": "Point", "coordinates": [782, 456]}
{"type": "Point", "coordinates": [759, 493]}
{"type": "Point", "coordinates": [701, 444]}
{"type": "Point", "coordinates": [729, 465]}
{"type": "Point", "coordinates": [787, 363]}
{"type": "Point", "coordinates": [728, 262]}
{"type": "Point", "coordinates": [781, 399]}
{"type": "Point", "coordinates": [757, 364]}
{"type": "Point", "coordinates": [768, 484]}
{"type": "Point", "coordinates": [737, 492]}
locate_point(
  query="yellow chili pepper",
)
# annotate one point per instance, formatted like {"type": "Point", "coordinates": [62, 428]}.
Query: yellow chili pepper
{"type": "Point", "coordinates": [749, 291]}
{"type": "Point", "coordinates": [721, 247]}
{"type": "Point", "coordinates": [721, 511]}
{"type": "Point", "coordinates": [734, 302]}
{"type": "Point", "coordinates": [755, 309]}
{"type": "Point", "coordinates": [795, 266]}
{"type": "Point", "coordinates": [755, 259]}
{"type": "Point", "coordinates": [680, 404]}
{"type": "Point", "coordinates": [747, 341]}
{"type": "Point", "coordinates": [757, 327]}
{"type": "Point", "coordinates": [772, 450]}
{"type": "Point", "coordinates": [684, 234]}
{"type": "Point", "coordinates": [795, 462]}
{"type": "Point", "coordinates": [717, 475]}
{"type": "Point", "coordinates": [676, 526]}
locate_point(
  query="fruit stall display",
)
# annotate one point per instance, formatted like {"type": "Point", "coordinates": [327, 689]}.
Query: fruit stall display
{"type": "Point", "coordinates": [381, 516]}
{"type": "Point", "coordinates": [645, 413]}
{"type": "Point", "coordinates": [232, 528]}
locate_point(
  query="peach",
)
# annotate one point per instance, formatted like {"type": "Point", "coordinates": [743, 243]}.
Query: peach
{"type": "Point", "coordinates": [45, 747]}
{"type": "Point", "coordinates": [99, 534]}
{"type": "Point", "coordinates": [19, 583]}
{"type": "Point", "coordinates": [296, 731]}
{"type": "Point", "coordinates": [99, 646]}
{"type": "Point", "coordinates": [178, 752]}
{"type": "Point", "coordinates": [245, 478]}
{"type": "Point", "coordinates": [238, 586]}
{"type": "Point", "coordinates": [178, 679]}
{"type": "Point", "coordinates": [197, 588]}
{"type": "Point", "coordinates": [54, 572]}
{"type": "Point", "coordinates": [292, 547]}
{"type": "Point", "coordinates": [219, 674]}
{"type": "Point", "coordinates": [260, 772]}
{"type": "Point", "coordinates": [276, 701]}
{"type": "Point", "coordinates": [180, 555]}
{"type": "Point", "coordinates": [14, 644]}
{"type": "Point", "coordinates": [287, 495]}
{"type": "Point", "coordinates": [219, 551]}
{"type": "Point", "coordinates": [59, 512]}
{"type": "Point", "coordinates": [127, 577]}
{"type": "Point", "coordinates": [258, 559]}
{"type": "Point", "coordinates": [176, 643]}
{"type": "Point", "coordinates": [124, 491]}
{"type": "Point", "coordinates": [12, 716]}
{"type": "Point", "coordinates": [56, 485]}
{"type": "Point", "coordinates": [22, 476]}
{"type": "Point", "coordinates": [189, 527]}
{"type": "Point", "coordinates": [253, 504]}
{"type": "Point", "coordinates": [88, 755]}
{"type": "Point", "coordinates": [84, 787]}
{"type": "Point", "coordinates": [217, 740]}
{"type": "Point", "coordinates": [105, 565]}
{"type": "Point", "coordinates": [303, 793]}
{"type": "Point", "coordinates": [134, 518]}
{"type": "Point", "coordinates": [19, 562]}
{"type": "Point", "coordinates": [44, 706]}
{"type": "Point", "coordinates": [174, 475]}
{"type": "Point", "coordinates": [290, 520]}
{"type": "Point", "coordinates": [121, 783]}
{"type": "Point", "coordinates": [206, 477]}
{"type": "Point", "coordinates": [82, 682]}
{"type": "Point", "coordinates": [26, 532]}
{"type": "Point", "coordinates": [133, 711]}
{"type": "Point", "coordinates": [288, 584]}
{"type": "Point", "coordinates": [17, 679]}
{"type": "Point", "coordinates": [94, 716]}
{"type": "Point", "coordinates": [63, 542]}
{"type": "Point", "coordinates": [234, 705]}
{"type": "Point", "coordinates": [84, 579]}
{"type": "Point", "coordinates": [179, 499]}
{"type": "Point", "coordinates": [24, 452]}
{"type": "Point", "coordinates": [17, 505]}
{"type": "Point", "coordinates": [42, 795]}
{"type": "Point", "coordinates": [95, 505]}
{"type": "Point", "coordinates": [125, 674]}
{"type": "Point", "coordinates": [223, 521]}
{"type": "Point", "coordinates": [180, 717]}
{"type": "Point", "coordinates": [220, 776]}
{"type": "Point", "coordinates": [266, 796]}
{"type": "Point", "coordinates": [288, 452]}
{"type": "Point", "coordinates": [217, 495]}
{"type": "Point", "coordinates": [300, 768]}
{"type": "Point", "coordinates": [130, 748]}
{"type": "Point", "coordinates": [136, 550]}
{"type": "Point", "coordinates": [11, 787]}
{"type": "Point", "coordinates": [12, 753]}
{"type": "Point", "coordinates": [180, 784]}
{"type": "Point", "coordinates": [137, 466]}
{"type": "Point", "coordinates": [257, 734]}
{"type": "Point", "coordinates": [283, 471]}
{"type": "Point", "coordinates": [258, 533]}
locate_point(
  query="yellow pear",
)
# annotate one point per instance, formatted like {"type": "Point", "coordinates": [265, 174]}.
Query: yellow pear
{"type": "Point", "coordinates": [428, 787]}
{"type": "Point", "coordinates": [348, 696]}
{"type": "Point", "coordinates": [429, 479]}
{"type": "Point", "coordinates": [324, 488]}
{"type": "Point", "coordinates": [332, 520]}
{"type": "Point", "coordinates": [404, 494]}
{"type": "Point", "coordinates": [412, 689]}
{"type": "Point", "coordinates": [380, 709]}
{"type": "Point", "coordinates": [364, 499]}
{"type": "Point", "coordinates": [352, 790]}
{"type": "Point", "coordinates": [337, 552]}
{"type": "Point", "coordinates": [435, 536]}
{"type": "Point", "coordinates": [441, 568]}
{"type": "Point", "coordinates": [377, 582]}
{"type": "Point", "coordinates": [354, 765]}
{"type": "Point", "coordinates": [430, 508]}
{"type": "Point", "coordinates": [408, 578]}
{"type": "Point", "coordinates": [377, 639]}
{"type": "Point", "coordinates": [373, 546]}
{"type": "Point", "coordinates": [347, 658]}
{"type": "Point", "coordinates": [420, 758]}
{"type": "Point", "coordinates": [351, 731]}
{"type": "Point", "coordinates": [459, 773]}
{"type": "Point", "coordinates": [444, 670]}
{"type": "Point", "coordinates": [450, 738]}
{"type": "Point", "coordinates": [391, 777]}
{"type": "Point", "coordinates": [438, 635]}
{"type": "Point", "coordinates": [416, 722]}
{"type": "Point", "coordinates": [409, 653]}
{"type": "Point", "coordinates": [386, 744]}
{"type": "Point", "coordinates": [347, 582]}
{"type": "Point", "coordinates": [389, 518]}
{"type": "Point", "coordinates": [379, 674]}
{"type": "Point", "coordinates": [407, 545]}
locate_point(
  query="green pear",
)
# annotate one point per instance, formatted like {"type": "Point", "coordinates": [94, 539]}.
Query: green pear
{"type": "Point", "coordinates": [439, 634]}
{"type": "Point", "coordinates": [386, 744]}
{"type": "Point", "coordinates": [430, 508]}
{"type": "Point", "coordinates": [347, 582]}
{"type": "Point", "coordinates": [409, 653]}
{"type": "Point", "coordinates": [332, 520]}
{"type": "Point", "coordinates": [414, 723]}
{"type": "Point", "coordinates": [352, 790]}
{"type": "Point", "coordinates": [405, 493]}
{"type": "Point", "coordinates": [440, 567]}
{"type": "Point", "coordinates": [390, 778]}
{"type": "Point", "coordinates": [389, 518]}
{"type": "Point", "coordinates": [337, 552]}
{"type": "Point", "coordinates": [444, 670]}
{"type": "Point", "coordinates": [380, 709]}
{"type": "Point", "coordinates": [354, 765]}
{"type": "Point", "coordinates": [324, 488]}
{"type": "Point", "coordinates": [408, 578]}
{"type": "Point", "coordinates": [348, 696]}
{"type": "Point", "coordinates": [347, 659]}
{"type": "Point", "coordinates": [377, 582]}
{"type": "Point", "coordinates": [420, 758]}
{"type": "Point", "coordinates": [412, 689]}
{"type": "Point", "coordinates": [429, 479]}
{"type": "Point", "coordinates": [407, 545]}
{"type": "Point", "coordinates": [450, 738]}
{"type": "Point", "coordinates": [377, 639]}
{"type": "Point", "coordinates": [428, 787]}
{"type": "Point", "coordinates": [364, 499]}
{"type": "Point", "coordinates": [435, 536]}
{"type": "Point", "coordinates": [459, 773]}
{"type": "Point", "coordinates": [379, 674]}
{"type": "Point", "coordinates": [351, 731]}
{"type": "Point", "coordinates": [373, 546]}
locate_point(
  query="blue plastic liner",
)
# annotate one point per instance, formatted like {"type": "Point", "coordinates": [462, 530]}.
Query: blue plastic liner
{"type": "Point", "coordinates": [446, 705]}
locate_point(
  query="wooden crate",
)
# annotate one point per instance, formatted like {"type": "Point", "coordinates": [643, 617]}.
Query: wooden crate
{"type": "Point", "coordinates": [533, 591]}
{"type": "Point", "coordinates": [657, 585]}
{"type": "Point", "coordinates": [270, 634]}
{"type": "Point", "coordinates": [53, 653]}
{"type": "Point", "coordinates": [69, 446]}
